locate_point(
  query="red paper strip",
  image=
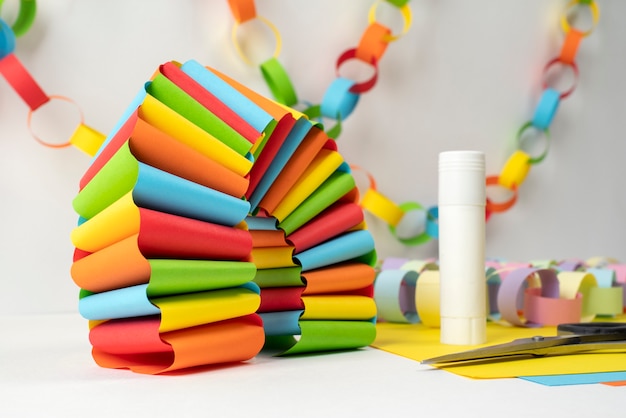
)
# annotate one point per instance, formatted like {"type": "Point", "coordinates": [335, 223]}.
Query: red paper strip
{"type": "Point", "coordinates": [165, 235]}
{"type": "Point", "coordinates": [338, 218]}
{"type": "Point", "coordinates": [22, 82]}
{"type": "Point", "coordinates": [275, 299]}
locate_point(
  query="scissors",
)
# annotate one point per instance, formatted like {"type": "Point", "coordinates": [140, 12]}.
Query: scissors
{"type": "Point", "coordinates": [570, 339]}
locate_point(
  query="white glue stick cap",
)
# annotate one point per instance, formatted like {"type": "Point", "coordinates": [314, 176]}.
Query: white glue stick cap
{"type": "Point", "coordinates": [462, 178]}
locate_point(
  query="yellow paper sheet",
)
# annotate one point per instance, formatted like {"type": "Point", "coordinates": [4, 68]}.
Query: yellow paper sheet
{"type": "Point", "coordinates": [418, 342]}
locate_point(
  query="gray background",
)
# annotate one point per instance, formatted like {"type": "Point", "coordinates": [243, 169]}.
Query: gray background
{"type": "Point", "coordinates": [466, 76]}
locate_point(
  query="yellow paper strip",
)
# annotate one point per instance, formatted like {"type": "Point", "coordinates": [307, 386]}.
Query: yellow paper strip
{"type": "Point", "coordinates": [324, 164]}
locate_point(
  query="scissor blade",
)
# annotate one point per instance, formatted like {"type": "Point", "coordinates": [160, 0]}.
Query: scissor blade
{"type": "Point", "coordinates": [493, 351]}
{"type": "Point", "coordinates": [527, 348]}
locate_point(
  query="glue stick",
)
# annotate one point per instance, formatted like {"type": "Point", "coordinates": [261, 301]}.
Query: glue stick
{"type": "Point", "coordinates": [462, 200]}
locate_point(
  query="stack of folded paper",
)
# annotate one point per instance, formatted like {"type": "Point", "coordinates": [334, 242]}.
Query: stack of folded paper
{"type": "Point", "coordinates": [214, 221]}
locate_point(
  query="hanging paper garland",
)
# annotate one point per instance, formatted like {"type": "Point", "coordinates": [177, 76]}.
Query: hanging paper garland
{"type": "Point", "coordinates": [342, 95]}
{"type": "Point", "coordinates": [84, 137]}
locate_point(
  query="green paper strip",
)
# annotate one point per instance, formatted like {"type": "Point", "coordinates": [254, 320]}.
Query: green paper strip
{"type": "Point", "coordinates": [176, 99]}
{"type": "Point", "coordinates": [607, 301]}
{"type": "Point", "coordinates": [172, 277]}
{"type": "Point", "coordinates": [315, 113]}
{"type": "Point", "coordinates": [398, 3]}
{"type": "Point", "coordinates": [113, 181]}
{"type": "Point", "coordinates": [317, 336]}
{"type": "Point", "coordinates": [336, 186]}
{"type": "Point", "coordinates": [279, 277]}
{"type": "Point", "coordinates": [278, 82]}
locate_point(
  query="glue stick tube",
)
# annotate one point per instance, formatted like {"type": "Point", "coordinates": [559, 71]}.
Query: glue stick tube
{"type": "Point", "coordinates": [462, 198]}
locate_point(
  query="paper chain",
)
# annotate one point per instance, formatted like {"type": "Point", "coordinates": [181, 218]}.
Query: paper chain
{"type": "Point", "coordinates": [84, 137]}
{"type": "Point", "coordinates": [339, 101]}
{"type": "Point", "coordinates": [342, 96]}
{"type": "Point", "coordinates": [538, 293]}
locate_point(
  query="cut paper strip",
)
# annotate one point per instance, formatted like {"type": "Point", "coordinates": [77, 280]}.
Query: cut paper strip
{"type": "Point", "coordinates": [281, 323]}
{"type": "Point", "coordinates": [119, 303]}
{"type": "Point", "coordinates": [338, 278]}
{"type": "Point", "coordinates": [419, 342]}
{"type": "Point", "coordinates": [344, 307]}
{"type": "Point", "coordinates": [313, 142]}
{"type": "Point", "coordinates": [234, 340]}
{"type": "Point", "coordinates": [322, 167]}
{"type": "Point", "coordinates": [208, 100]}
{"type": "Point", "coordinates": [268, 238]}
{"type": "Point", "coordinates": [155, 148]}
{"type": "Point", "coordinates": [333, 221]}
{"type": "Point", "coordinates": [194, 309]}
{"type": "Point", "coordinates": [279, 277]}
{"type": "Point", "coordinates": [113, 336]}
{"type": "Point", "coordinates": [301, 129]}
{"type": "Point", "coordinates": [549, 310]}
{"type": "Point", "coordinates": [576, 379]}
{"type": "Point", "coordinates": [512, 288]}
{"type": "Point", "coordinates": [166, 120]}
{"type": "Point", "coordinates": [344, 248]}
{"type": "Point", "coordinates": [165, 91]}
{"type": "Point", "coordinates": [173, 96]}
{"type": "Point", "coordinates": [287, 126]}
{"type": "Point", "coordinates": [336, 186]}
{"type": "Point", "coordinates": [275, 299]}
{"type": "Point", "coordinates": [272, 257]}
{"type": "Point", "coordinates": [96, 272]}
{"type": "Point", "coordinates": [175, 277]}
{"type": "Point", "coordinates": [156, 189]}
{"type": "Point", "coordinates": [256, 116]}
{"type": "Point", "coordinates": [319, 336]}
{"type": "Point", "coordinates": [606, 301]}
{"type": "Point", "coordinates": [574, 283]}
{"type": "Point", "coordinates": [179, 311]}
{"type": "Point", "coordinates": [161, 234]}
{"type": "Point", "coordinates": [427, 298]}
{"type": "Point", "coordinates": [391, 289]}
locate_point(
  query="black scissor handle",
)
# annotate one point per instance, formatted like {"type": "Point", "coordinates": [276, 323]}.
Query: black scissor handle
{"type": "Point", "coordinates": [593, 328]}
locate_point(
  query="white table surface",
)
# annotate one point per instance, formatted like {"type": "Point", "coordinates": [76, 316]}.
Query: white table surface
{"type": "Point", "coordinates": [46, 370]}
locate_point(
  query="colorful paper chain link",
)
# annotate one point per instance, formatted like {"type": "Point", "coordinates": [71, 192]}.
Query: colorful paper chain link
{"type": "Point", "coordinates": [536, 293]}
{"type": "Point", "coordinates": [342, 96]}
{"type": "Point", "coordinates": [84, 137]}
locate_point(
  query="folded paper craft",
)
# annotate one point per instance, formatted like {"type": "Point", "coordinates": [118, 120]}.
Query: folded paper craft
{"type": "Point", "coordinates": [214, 222]}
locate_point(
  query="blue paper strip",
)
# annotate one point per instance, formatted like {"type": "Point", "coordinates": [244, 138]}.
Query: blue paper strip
{"type": "Point", "coordinates": [344, 248]}
{"type": "Point", "coordinates": [231, 97]}
{"type": "Point", "coordinates": [292, 142]}
{"type": "Point", "coordinates": [281, 323]}
{"type": "Point", "coordinates": [162, 191]}
{"type": "Point", "coordinates": [119, 303]}
{"type": "Point", "coordinates": [577, 379]}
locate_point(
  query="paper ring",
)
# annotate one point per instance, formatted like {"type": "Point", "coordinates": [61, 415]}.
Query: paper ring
{"type": "Point", "coordinates": [270, 25]}
{"type": "Point", "coordinates": [405, 10]}
{"type": "Point", "coordinates": [595, 15]}
{"type": "Point", "coordinates": [520, 141]}
{"type": "Point", "coordinates": [49, 144]}
{"type": "Point", "coordinates": [418, 239]}
{"type": "Point", "coordinates": [364, 86]}
{"type": "Point", "coordinates": [492, 207]}
{"type": "Point", "coordinates": [557, 60]}
{"type": "Point", "coordinates": [25, 16]}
